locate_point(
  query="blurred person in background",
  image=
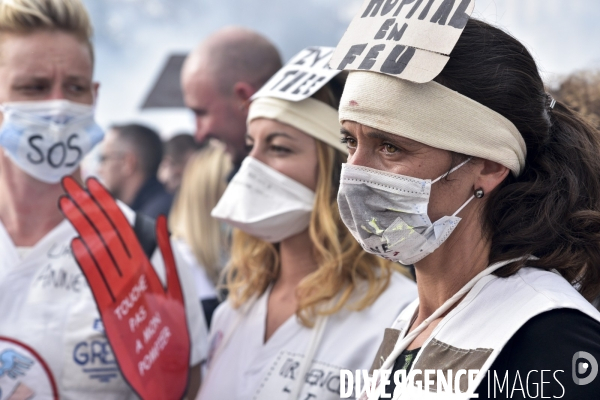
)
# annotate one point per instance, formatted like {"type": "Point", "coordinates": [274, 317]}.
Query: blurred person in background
{"type": "Point", "coordinates": [205, 240]}
{"type": "Point", "coordinates": [301, 289]}
{"type": "Point", "coordinates": [129, 161]}
{"type": "Point", "coordinates": [176, 154]}
{"type": "Point", "coordinates": [52, 340]}
{"type": "Point", "coordinates": [219, 77]}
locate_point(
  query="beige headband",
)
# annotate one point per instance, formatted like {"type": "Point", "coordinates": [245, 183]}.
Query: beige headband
{"type": "Point", "coordinates": [311, 116]}
{"type": "Point", "coordinates": [432, 114]}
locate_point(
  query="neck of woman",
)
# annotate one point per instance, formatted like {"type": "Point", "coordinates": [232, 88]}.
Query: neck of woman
{"type": "Point", "coordinates": [296, 260]}
{"type": "Point", "coordinates": [28, 207]}
{"type": "Point", "coordinates": [444, 272]}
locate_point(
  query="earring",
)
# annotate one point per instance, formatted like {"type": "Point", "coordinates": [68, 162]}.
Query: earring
{"type": "Point", "coordinates": [479, 193]}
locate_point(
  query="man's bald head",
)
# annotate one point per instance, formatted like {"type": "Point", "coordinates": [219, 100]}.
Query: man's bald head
{"type": "Point", "coordinates": [235, 54]}
{"type": "Point", "coordinates": [219, 77]}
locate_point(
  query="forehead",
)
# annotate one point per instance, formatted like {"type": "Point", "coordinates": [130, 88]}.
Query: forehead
{"type": "Point", "coordinates": [355, 128]}
{"type": "Point", "coordinates": [201, 84]}
{"type": "Point", "coordinates": [44, 53]}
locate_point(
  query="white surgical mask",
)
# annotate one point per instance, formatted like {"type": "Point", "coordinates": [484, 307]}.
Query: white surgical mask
{"type": "Point", "coordinates": [48, 139]}
{"type": "Point", "coordinates": [265, 203]}
{"type": "Point", "coordinates": [387, 213]}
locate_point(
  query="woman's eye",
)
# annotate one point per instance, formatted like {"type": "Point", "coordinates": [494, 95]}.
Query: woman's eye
{"type": "Point", "coordinates": [280, 149]}
{"type": "Point", "coordinates": [350, 142]}
{"type": "Point", "coordinates": [390, 148]}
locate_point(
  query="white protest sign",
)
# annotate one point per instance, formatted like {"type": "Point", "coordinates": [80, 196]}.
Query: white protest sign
{"type": "Point", "coordinates": [302, 76]}
{"type": "Point", "coordinates": [410, 39]}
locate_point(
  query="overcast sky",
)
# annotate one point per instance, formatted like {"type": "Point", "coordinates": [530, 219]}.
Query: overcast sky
{"type": "Point", "coordinates": [133, 39]}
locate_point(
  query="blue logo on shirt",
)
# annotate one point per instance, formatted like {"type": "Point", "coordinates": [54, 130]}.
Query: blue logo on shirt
{"type": "Point", "coordinates": [96, 359]}
{"type": "Point", "coordinates": [14, 364]}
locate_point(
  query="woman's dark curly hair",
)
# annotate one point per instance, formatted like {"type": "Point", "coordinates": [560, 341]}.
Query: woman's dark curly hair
{"type": "Point", "coordinates": [552, 210]}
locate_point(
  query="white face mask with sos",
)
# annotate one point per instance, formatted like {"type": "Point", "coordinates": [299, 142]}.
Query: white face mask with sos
{"type": "Point", "coordinates": [265, 203]}
{"type": "Point", "coordinates": [387, 213]}
{"type": "Point", "coordinates": [48, 139]}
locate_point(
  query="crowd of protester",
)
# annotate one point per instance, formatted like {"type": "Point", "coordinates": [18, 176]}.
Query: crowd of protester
{"type": "Point", "coordinates": [492, 254]}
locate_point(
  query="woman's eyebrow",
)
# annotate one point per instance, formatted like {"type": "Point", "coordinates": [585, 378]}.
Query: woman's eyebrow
{"type": "Point", "coordinates": [273, 135]}
{"type": "Point", "coordinates": [382, 135]}
{"type": "Point", "coordinates": [396, 139]}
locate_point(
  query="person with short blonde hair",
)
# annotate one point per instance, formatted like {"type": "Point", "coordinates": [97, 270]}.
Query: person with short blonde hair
{"type": "Point", "coordinates": [52, 340]}
{"type": "Point", "coordinates": [26, 16]}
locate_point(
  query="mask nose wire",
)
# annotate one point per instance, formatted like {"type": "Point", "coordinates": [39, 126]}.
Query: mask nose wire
{"type": "Point", "coordinates": [452, 170]}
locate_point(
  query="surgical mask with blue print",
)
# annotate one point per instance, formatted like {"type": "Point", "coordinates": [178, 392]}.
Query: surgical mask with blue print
{"type": "Point", "coordinates": [48, 139]}
{"type": "Point", "coordinates": [387, 213]}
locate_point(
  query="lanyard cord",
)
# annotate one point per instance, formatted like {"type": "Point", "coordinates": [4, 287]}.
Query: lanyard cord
{"type": "Point", "coordinates": [403, 344]}
{"type": "Point", "coordinates": [313, 345]}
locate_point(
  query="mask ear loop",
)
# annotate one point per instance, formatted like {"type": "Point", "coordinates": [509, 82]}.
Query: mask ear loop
{"type": "Point", "coordinates": [453, 215]}
{"type": "Point", "coordinates": [464, 205]}
{"type": "Point", "coordinates": [448, 173]}
{"type": "Point", "coordinates": [452, 170]}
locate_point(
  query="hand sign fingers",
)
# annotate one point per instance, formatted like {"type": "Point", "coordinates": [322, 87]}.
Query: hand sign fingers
{"type": "Point", "coordinates": [116, 217]}
{"type": "Point", "coordinates": [98, 283]}
{"type": "Point", "coordinates": [95, 213]}
{"type": "Point", "coordinates": [145, 322]}
{"type": "Point", "coordinates": [93, 241]}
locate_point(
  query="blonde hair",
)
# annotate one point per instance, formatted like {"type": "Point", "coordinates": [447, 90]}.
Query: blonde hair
{"type": "Point", "coordinates": [26, 16]}
{"type": "Point", "coordinates": [343, 266]}
{"type": "Point", "coordinates": [203, 183]}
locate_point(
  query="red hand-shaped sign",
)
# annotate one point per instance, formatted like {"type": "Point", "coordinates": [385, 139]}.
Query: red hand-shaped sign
{"type": "Point", "coordinates": [144, 322]}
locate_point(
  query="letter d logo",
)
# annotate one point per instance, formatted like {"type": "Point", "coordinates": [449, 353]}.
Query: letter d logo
{"type": "Point", "coordinates": [583, 367]}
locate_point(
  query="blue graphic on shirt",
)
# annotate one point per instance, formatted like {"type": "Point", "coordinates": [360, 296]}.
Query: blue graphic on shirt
{"type": "Point", "coordinates": [98, 325]}
{"type": "Point", "coordinates": [13, 364]}
{"type": "Point", "coordinates": [96, 359]}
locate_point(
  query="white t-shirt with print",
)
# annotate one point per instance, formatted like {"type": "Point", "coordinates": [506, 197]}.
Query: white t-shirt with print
{"type": "Point", "coordinates": [47, 312]}
{"type": "Point", "coordinates": [245, 368]}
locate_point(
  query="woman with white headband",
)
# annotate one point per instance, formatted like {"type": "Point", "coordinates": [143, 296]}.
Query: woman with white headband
{"type": "Point", "coordinates": [492, 190]}
{"type": "Point", "coordinates": [301, 289]}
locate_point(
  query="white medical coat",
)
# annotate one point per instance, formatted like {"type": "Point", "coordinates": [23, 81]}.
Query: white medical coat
{"type": "Point", "coordinates": [246, 368]}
